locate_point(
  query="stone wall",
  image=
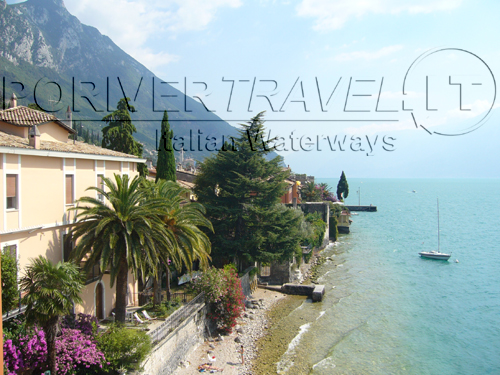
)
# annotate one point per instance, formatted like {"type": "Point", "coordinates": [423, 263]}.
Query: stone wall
{"type": "Point", "coordinates": [246, 282]}
{"type": "Point", "coordinates": [169, 352]}
{"type": "Point", "coordinates": [185, 176]}
{"type": "Point", "coordinates": [281, 272]}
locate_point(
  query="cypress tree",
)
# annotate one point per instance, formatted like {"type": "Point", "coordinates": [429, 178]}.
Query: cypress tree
{"type": "Point", "coordinates": [117, 135]}
{"type": "Point", "coordinates": [342, 187]}
{"type": "Point", "coordinates": [165, 169]}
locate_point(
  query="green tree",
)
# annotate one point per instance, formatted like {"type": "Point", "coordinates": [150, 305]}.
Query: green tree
{"type": "Point", "coordinates": [118, 134]}
{"type": "Point", "coordinates": [281, 233]}
{"type": "Point", "coordinates": [342, 187]}
{"type": "Point", "coordinates": [165, 168]}
{"type": "Point", "coordinates": [239, 189]}
{"type": "Point", "coordinates": [10, 270]}
{"type": "Point", "coordinates": [50, 291]}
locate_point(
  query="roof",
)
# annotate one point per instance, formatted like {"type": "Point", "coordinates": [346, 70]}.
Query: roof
{"type": "Point", "coordinates": [14, 141]}
{"type": "Point", "coordinates": [24, 116]}
{"type": "Point", "coordinates": [185, 184]}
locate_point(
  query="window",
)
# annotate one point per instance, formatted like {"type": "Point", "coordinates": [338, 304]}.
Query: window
{"type": "Point", "coordinates": [70, 188]}
{"type": "Point", "coordinates": [100, 185]}
{"type": "Point", "coordinates": [12, 201]}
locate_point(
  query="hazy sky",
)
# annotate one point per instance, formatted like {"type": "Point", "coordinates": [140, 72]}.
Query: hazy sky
{"type": "Point", "coordinates": [326, 68]}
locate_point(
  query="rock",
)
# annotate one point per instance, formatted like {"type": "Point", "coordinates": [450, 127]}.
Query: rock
{"type": "Point", "coordinates": [237, 340]}
{"type": "Point", "coordinates": [240, 330]}
{"type": "Point", "coordinates": [251, 317]}
{"type": "Point", "coordinates": [211, 346]}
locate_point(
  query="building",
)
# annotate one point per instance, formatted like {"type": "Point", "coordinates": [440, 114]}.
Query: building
{"type": "Point", "coordinates": [291, 191]}
{"type": "Point", "coordinates": [44, 173]}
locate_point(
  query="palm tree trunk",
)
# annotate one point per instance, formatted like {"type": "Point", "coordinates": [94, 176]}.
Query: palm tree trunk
{"type": "Point", "coordinates": [50, 330]}
{"type": "Point", "coordinates": [155, 291]}
{"type": "Point", "coordinates": [121, 291]}
{"type": "Point", "coordinates": [168, 283]}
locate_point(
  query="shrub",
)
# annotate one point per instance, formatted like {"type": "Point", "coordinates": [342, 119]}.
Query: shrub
{"type": "Point", "coordinates": [85, 323]}
{"type": "Point", "coordinates": [29, 351]}
{"type": "Point", "coordinates": [334, 232]}
{"type": "Point", "coordinates": [318, 230]}
{"type": "Point", "coordinates": [224, 294]}
{"type": "Point", "coordinates": [10, 293]}
{"type": "Point", "coordinates": [75, 351]}
{"type": "Point", "coordinates": [123, 347]}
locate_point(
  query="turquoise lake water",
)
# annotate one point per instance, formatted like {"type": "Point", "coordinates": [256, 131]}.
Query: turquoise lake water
{"type": "Point", "coordinates": [388, 311]}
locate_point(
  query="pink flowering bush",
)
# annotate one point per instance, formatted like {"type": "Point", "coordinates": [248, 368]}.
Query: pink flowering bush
{"type": "Point", "coordinates": [76, 352]}
{"type": "Point", "coordinates": [30, 351]}
{"type": "Point", "coordinates": [85, 323]}
{"type": "Point", "coordinates": [224, 294]}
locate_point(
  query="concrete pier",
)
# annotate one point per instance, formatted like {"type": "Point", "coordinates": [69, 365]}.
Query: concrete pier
{"type": "Point", "coordinates": [316, 292]}
{"type": "Point", "coordinates": [363, 208]}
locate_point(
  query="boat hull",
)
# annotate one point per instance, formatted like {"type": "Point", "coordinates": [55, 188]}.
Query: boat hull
{"type": "Point", "coordinates": [438, 256]}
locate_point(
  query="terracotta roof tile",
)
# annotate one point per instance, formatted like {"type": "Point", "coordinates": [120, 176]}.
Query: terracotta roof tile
{"type": "Point", "coordinates": [24, 116]}
{"type": "Point", "coordinates": [9, 140]}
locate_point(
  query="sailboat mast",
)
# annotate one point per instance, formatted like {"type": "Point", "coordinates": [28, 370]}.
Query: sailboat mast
{"type": "Point", "coordinates": [438, 223]}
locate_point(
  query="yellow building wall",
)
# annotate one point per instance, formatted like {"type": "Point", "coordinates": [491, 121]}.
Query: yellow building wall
{"type": "Point", "coordinates": [53, 132]}
{"type": "Point", "coordinates": [41, 184]}
{"type": "Point", "coordinates": [15, 130]}
{"type": "Point", "coordinates": [42, 191]}
{"type": "Point", "coordinates": [39, 242]}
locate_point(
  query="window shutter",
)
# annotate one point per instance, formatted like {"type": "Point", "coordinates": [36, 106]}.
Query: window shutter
{"type": "Point", "coordinates": [69, 189]}
{"type": "Point", "coordinates": [11, 185]}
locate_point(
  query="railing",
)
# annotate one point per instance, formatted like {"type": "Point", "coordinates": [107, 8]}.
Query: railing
{"type": "Point", "coordinates": [174, 320]}
{"type": "Point", "coordinates": [15, 312]}
{"type": "Point", "coordinates": [146, 297]}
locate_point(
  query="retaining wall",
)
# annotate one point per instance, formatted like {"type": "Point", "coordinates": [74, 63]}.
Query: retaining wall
{"type": "Point", "coordinates": [169, 352]}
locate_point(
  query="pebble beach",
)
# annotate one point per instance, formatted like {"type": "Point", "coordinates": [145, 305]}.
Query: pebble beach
{"type": "Point", "coordinates": [252, 325]}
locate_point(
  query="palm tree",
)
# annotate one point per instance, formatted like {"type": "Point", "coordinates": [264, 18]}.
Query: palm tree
{"type": "Point", "coordinates": [310, 193]}
{"type": "Point", "coordinates": [183, 220]}
{"type": "Point", "coordinates": [120, 235]}
{"type": "Point", "coordinates": [50, 291]}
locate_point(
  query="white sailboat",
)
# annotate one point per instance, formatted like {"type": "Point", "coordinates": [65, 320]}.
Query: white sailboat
{"type": "Point", "coordinates": [435, 254]}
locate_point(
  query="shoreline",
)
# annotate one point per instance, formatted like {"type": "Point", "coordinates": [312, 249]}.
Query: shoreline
{"type": "Point", "coordinates": [257, 326]}
{"type": "Point", "coordinates": [250, 328]}
{"type": "Point", "coordinates": [274, 343]}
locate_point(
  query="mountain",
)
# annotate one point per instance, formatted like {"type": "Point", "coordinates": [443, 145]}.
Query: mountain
{"type": "Point", "coordinates": [43, 43]}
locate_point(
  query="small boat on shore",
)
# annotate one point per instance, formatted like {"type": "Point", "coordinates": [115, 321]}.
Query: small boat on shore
{"type": "Point", "coordinates": [435, 254]}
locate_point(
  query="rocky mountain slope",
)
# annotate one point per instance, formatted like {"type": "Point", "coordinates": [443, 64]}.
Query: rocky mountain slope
{"type": "Point", "coordinates": [43, 43]}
